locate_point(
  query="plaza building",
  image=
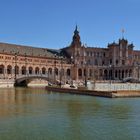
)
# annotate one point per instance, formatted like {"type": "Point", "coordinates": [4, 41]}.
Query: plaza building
{"type": "Point", "coordinates": [76, 62]}
{"type": "Point", "coordinates": [116, 62]}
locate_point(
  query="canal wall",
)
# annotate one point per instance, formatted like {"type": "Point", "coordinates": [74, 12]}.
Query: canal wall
{"type": "Point", "coordinates": [6, 83]}
{"type": "Point", "coordinates": [109, 94]}
{"type": "Point", "coordinates": [81, 91]}
{"type": "Point", "coordinates": [9, 83]}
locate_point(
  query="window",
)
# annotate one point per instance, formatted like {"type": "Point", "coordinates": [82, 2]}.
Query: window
{"type": "Point", "coordinates": [116, 62]}
{"type": "Point", "coordinates": [123, 62]}
{"type": "Point", "coordinates": [110, 61]}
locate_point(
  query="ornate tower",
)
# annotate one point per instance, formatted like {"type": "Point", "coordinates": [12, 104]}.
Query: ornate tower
{"type": "Point", "coordinates": [76, 45]}
{"type": "Point", "coordinates": [76, 38]}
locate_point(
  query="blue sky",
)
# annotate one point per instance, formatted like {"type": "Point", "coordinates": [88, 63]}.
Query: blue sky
{"type": "Point", "coordinates": [50, 23]}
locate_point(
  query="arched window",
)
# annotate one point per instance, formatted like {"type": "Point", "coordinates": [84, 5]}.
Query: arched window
{"type": "Point", "coordinates": [23, 70]}
{"type": "Point", "coordinates": [9, 69]}
{"type": "Point", "coordinates": [17, 69]}
{"type": "Point", "coordinates": [105, 74]}
{"type": "Point", "coordinates": [1, 69]}
{"type": "Point", "coordinates": [79, 72]}
{"type": "Point", "coordinates": [30, 70]}
{"type": "Point", "coordinates": [122, 74]}
{"type": "Point", "coordinates": [116, 73]}
{"type": "Point", "coordinates": [43, 70]}
{"type": "Point", "coordinates": [117, 62]}
{"type": "Point", "coordinates": [123, 62]}
{"type": "Point", "coordinates": [68, 72]}
{"type": "Point", "coordinates": [36, 70]}
{"type": "Point", "coordinates": [56, 71]}
{"type": "Point", "coordinates": [119, 74]}
{"type": "Point", "coordinates": [50, 71]}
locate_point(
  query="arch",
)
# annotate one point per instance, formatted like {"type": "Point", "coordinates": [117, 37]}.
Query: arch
{"type": "Point", "coordinates": [116, 74]}
{"type": "Point", "coordinates": [37, 70]}
{"type": "Point", "coordinates": [79, 72]}
{"type": "Point", "coordinates": [56, 71]}
{"type": "Point", "coordinates": [30, 70]}
{"type": "Point", "coordinates": [43, 70]}
{"type": "Point", "coordinates": [24, 80]}
{"type": "Point", "coordinates": [1, 69]}
{"type": "Point", "coordinates": [122, 74]}
{"type": "Point", "coordinates": [16, 69]}
{"type": "Point", "coordinates": [50, 71]}
{"type": "Point", "coordinates": [9, 69]}
{"type": "Point", "coordinates": [119, 74]}
{"type": "Point", "coordinates": [68, 72]}
{"type": "Point", "coordinates": [110, 75]}
{"type": "Point", "coordinates": [23, 70]}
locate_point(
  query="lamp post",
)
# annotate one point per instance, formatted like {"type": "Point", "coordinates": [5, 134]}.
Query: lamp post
{"type": "Point", "coordinates": [138, 68]}
{"type": "Point", "coordinates": [61, 58]}
{"type": "Point", "coordinates": [15, 67]}
{"type": "Point", "coordinates": [55, 69]}
{"type": "Point", "coordinates": [25, 64]}
{"type": "Point", "coordinates": [85, 73]}
{"type": "Point", "coordinates": [71, 71]}
{"type": "Point", "coordinates": [138, 72]}
{"type": "Point", "coordinates": [110, 76]}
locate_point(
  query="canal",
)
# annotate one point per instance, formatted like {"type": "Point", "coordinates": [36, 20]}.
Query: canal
{"type": "Point", "coordinates": [35, 114]}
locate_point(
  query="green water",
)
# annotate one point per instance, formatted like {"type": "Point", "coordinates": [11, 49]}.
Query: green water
{"type": "Point", "coordinates": [35, 114]}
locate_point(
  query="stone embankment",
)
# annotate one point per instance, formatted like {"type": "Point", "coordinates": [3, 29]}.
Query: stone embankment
{"type": "Point", "coordinates": [99, 93]}
{"type": "Point", "coordinates": [80, 91]}
{"type": "Point", "coordinates": [6, 83]}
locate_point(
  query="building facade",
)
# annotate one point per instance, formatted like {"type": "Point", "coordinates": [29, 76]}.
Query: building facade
{"type": "Point", "coordinates": [77, 62]}
{"type": "Point", "coordinates": [116, 62]}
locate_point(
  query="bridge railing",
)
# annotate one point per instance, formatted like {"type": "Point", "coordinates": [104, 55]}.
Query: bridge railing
{"type": "Point", "coordinates": [32, 75]}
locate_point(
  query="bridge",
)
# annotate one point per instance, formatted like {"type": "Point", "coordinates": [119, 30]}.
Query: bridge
{"type": "Point", "coordinates": [23, 80]}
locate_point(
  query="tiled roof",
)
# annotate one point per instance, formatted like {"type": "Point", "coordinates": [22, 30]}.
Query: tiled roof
{"type": "Point", "coordinates": [24, 50]}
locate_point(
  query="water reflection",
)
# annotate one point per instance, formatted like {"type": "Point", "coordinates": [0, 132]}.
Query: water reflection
{"type": "Point", "coordinates": [38, 114]}
{"type": "Point", "coordinates": [18, 101]}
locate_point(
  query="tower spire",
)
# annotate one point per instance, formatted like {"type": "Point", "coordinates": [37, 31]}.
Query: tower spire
{"type": "Point", "coordinates": [76, 37]}
{"type": "Point", "coordinates": [76, 30]}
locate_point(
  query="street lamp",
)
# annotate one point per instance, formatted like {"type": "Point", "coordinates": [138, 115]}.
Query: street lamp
{"type": "Point", "coordinates": [85, 73]}
{"type": "Point", "coordinates": [61, 58]}
{"type": "Point", "coordinates": [25, 64]}
{"type": "Point", "coordinates": [71, 71]}
{"type": "Point", "coordinates": [15, 66]}
{"type": "Point", "coordinates": [138, 64]}
{"type": "Point", "coordinates": [110, 76]}
{"type": "Point", "coordinates": [55, 69]}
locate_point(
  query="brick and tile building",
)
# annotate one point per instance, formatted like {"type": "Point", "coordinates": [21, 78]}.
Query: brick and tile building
{"type": "Point", "coordinates": [76, 62]}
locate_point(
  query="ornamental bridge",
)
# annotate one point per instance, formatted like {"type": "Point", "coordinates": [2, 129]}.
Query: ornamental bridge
{"type": "Point", "coordinates": [24, 80]}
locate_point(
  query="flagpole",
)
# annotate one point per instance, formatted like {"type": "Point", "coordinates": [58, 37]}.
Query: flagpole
{"type": "Point", "coordinates": [122, 33]}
